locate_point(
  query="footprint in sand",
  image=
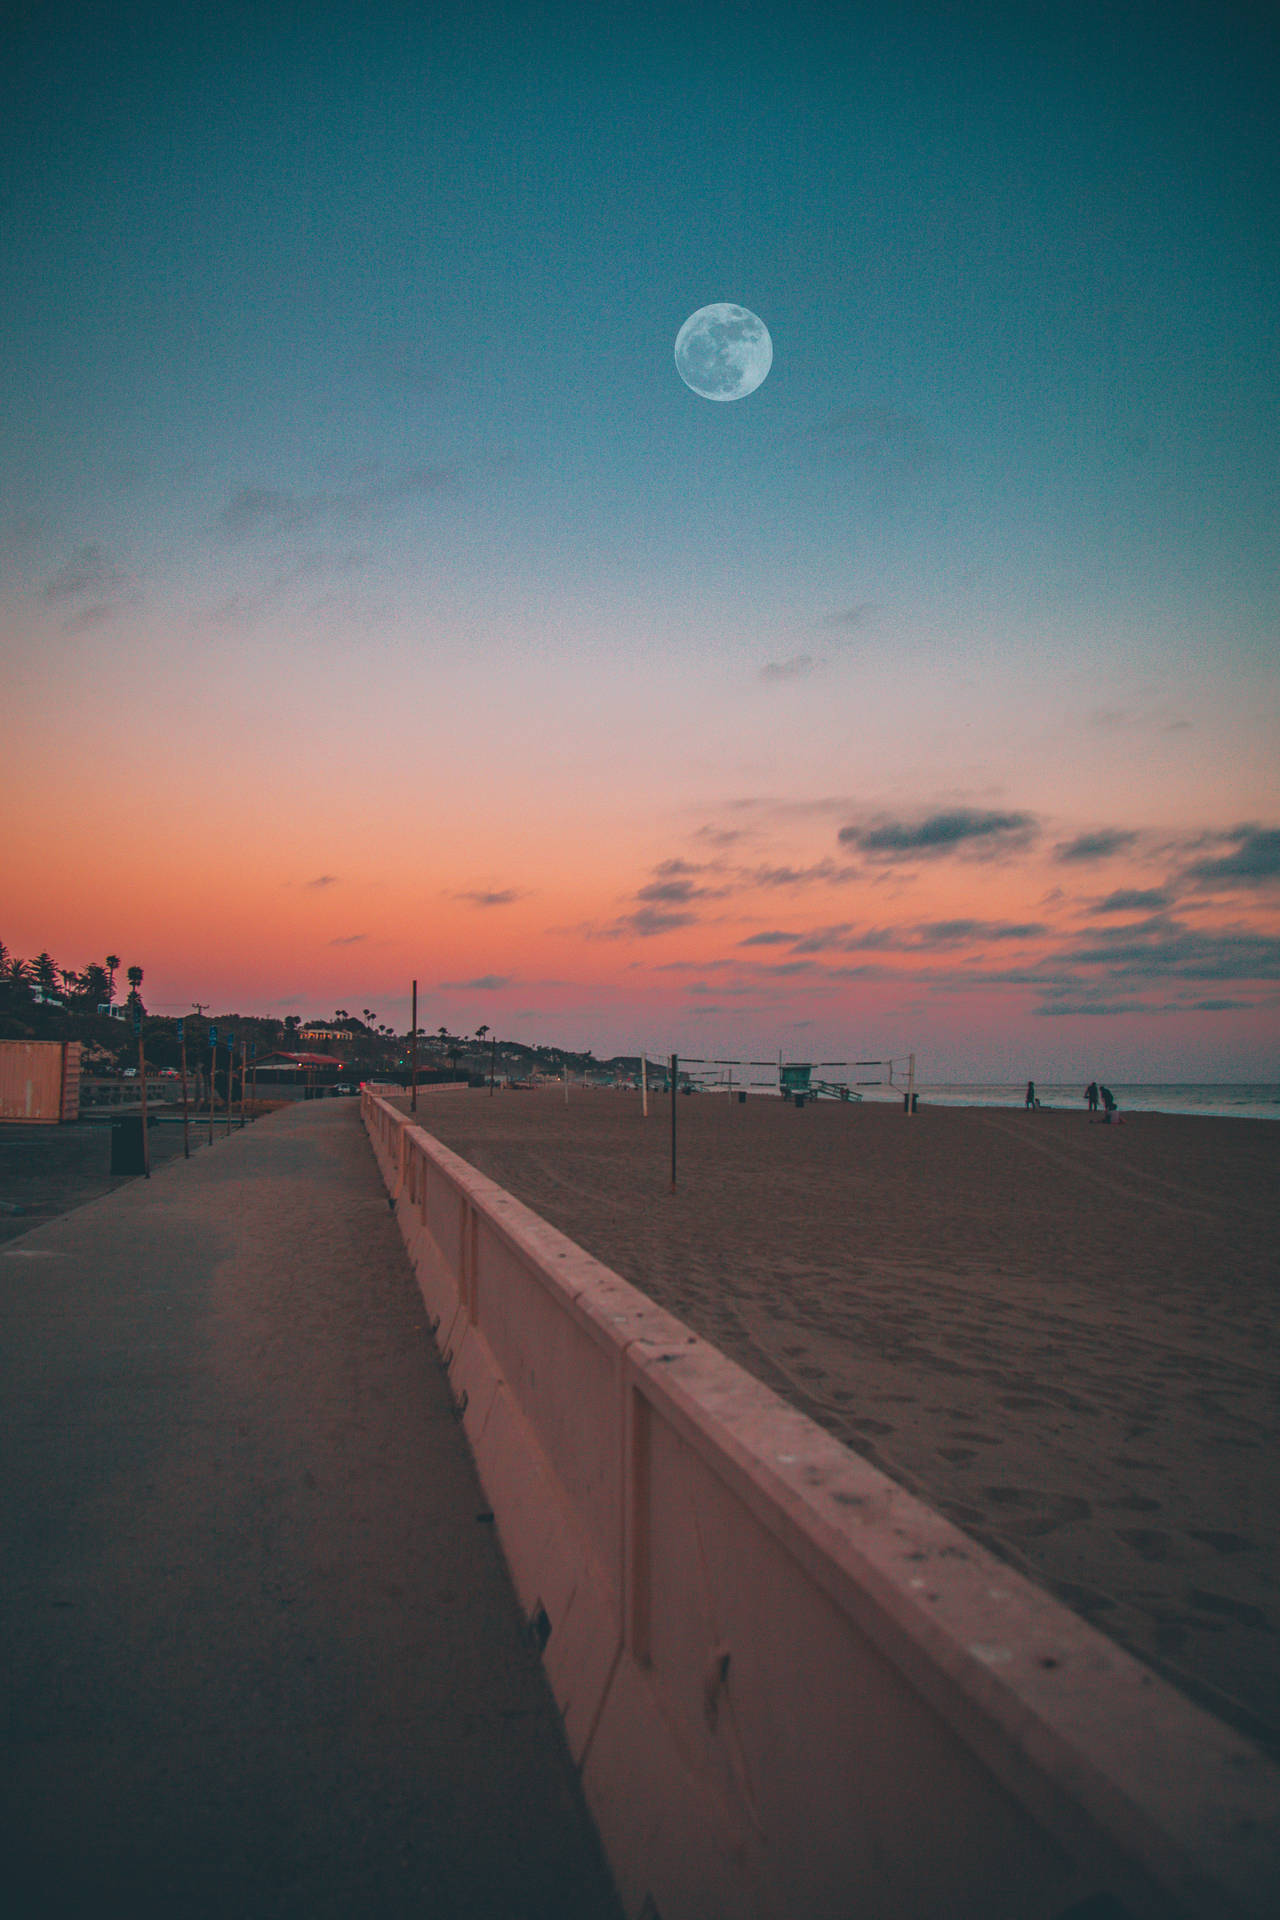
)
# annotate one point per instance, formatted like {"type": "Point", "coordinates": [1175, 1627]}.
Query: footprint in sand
{"type": "Point", "coordinates": [1221, 1542]}
{"type": "Point", "coordinates": [1237, 1610]}
{"type": "Point", "coordinates": [1085, 1600]}
{"type": "Point", "coordinates": [1147, 1542]}
{"type": "Point", "coordinates": [1042, 1513]}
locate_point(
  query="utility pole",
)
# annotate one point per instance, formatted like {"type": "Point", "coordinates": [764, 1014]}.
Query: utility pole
{"type": "Point", "coordinates": [186, 1117]}
{"type": "Point", "coordinates": [142, 1082]}
{"type": "Point", "coordinates": [413, 1055]}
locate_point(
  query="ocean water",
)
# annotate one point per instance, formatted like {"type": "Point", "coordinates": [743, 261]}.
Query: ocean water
{"type": "Point", "coordinates": [1238, 1100]}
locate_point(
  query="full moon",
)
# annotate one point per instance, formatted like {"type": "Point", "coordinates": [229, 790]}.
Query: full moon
{"type": "Point", "coordinates": [723, 351]}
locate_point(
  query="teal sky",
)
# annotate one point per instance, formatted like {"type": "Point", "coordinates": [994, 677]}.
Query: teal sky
{"type": "Point", "coordinates": [337, 353]}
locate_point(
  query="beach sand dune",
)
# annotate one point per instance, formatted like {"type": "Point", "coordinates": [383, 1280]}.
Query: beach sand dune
{"type": "Point", "coordinates": [1061, 1335]}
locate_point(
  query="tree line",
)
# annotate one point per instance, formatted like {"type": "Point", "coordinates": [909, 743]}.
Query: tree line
{"type": "Point", "coordinates": [39, 999]}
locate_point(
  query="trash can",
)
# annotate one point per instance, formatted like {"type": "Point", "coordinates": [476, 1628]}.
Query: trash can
{"type": "Point", "coordinates": [742, 1099]}
{"type": "Point", "coordinates": [798, 1099]}
{"type": "Point", "coordinates": [128, 1147]}
{"type": "Point", "coordinates": [910, 1102]}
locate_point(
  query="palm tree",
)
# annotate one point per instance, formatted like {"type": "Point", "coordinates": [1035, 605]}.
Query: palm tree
{"type": "Point", "coordinates": [46, 975]}
{"type": "Point", "coordinates": [135, 981]}
{"type": "Point", "coordinates": [93, 985]}
{"type": "Point", "coordinates": [15, 976]}
{"type": "Point", "coordinates": [113, 964]}
{"type": "Point", "coordinates": [480, 1034]}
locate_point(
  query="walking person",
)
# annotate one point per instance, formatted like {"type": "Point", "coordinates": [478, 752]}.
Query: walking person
{"type": "Point", "coordinates": [1091, 1095]}
{"type": "Point", "coordinates": [1031, 1095]}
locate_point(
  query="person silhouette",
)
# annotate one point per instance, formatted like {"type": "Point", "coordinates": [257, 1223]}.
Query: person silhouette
{"type": "Point", "coordinates": [1108, 1102]}
{"type": "Point", "coordinates": [1091, 1095]}
{"type": "Point", "coordinates": [1031, 1094]}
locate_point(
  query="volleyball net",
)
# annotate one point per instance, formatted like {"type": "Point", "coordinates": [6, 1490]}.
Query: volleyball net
{"type": "Point", "coordinates": [812, 1079]}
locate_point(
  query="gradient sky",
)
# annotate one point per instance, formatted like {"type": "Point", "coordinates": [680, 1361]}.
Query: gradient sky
{"type": "Point", "coordinates": [377, 601]}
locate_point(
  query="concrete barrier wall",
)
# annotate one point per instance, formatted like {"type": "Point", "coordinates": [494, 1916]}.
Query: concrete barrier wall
{"type": "Point", "coordinates": [793, 1691]}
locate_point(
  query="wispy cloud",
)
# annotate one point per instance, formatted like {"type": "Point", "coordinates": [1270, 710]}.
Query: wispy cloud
{"type": "Point", "coordinates": [1134, 719]}
{"type": "Point", "coordinates": [1164, 949]}
{"type": "Point", "coordinates": [90, 588]}
{"type": "Point", "coordinates": [263, 512]}
{"type": "Point", "coordinates": [801, 666]}
{"type": "Point", "coordinates": [1254, 861]}
{"type": "Point", "coordinates": [875, 439]}
{"type": "Point", "coordinates": [308, 570]}
{"type": "Point", "coordinates": [677, 882]}
{"type": "Point", "coordinates": [323, 880]}
{"type": "Point", "coordinates": [496, 897]}
{"type": "Point", "coordinates": [914, 937]}
{"type": "Point", "coordinates": [957, 829]}
{"type": "Point", "coordinates": [483, 983]}
{"type": "Point", "coordinates": [1102, 845]}
{"type": "Point", "coordinates": [1135, 900]}
{"type": "Point", "coordinates": [845, 619]}
{"type": "Point", "coordinates": [831, 873]}
{"type": "Point", "coordinates": [349, 940]}
{"type": "Point", "coordinates": [645, 923]}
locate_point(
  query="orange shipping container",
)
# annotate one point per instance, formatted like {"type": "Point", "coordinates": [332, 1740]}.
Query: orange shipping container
{"type": "Point", "coordinates": [39, 1081]}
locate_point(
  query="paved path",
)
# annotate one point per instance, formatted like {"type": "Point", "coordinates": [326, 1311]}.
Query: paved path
{"type": "Point", "coordinates": [261, 1657]}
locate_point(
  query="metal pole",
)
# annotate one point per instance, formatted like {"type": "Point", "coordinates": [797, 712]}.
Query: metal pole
{"type": "Point", "coordinates": [493, 1066]}
{"type": "Point", "coordinates": [213, 1075]}
{"type": "Point", "coordinates": [911, 1083]}
{"type": "Point", "coordinates": [675, 1077]}
{"type": "Point", "coordinates": [253, 1079]}
{"type": "Point", "coordinates": [413, 1055]}
{"type": "Point", "coordinates": [231, 1061]}
{"type": "Point", "coordinates": [644, 1086]}
{"type": "Point", "coordinates": [244, 1075]}
{"type": "Point", "coordinates": [142, 1079]}
{"type": "Point", "coordinates": [186, 1117]}
{"type": "Point", "coordinates": [566, 1083]}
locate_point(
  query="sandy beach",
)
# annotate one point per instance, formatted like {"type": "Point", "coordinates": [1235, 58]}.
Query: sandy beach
{"type": "Point", "coordinates": [1060, 1334]}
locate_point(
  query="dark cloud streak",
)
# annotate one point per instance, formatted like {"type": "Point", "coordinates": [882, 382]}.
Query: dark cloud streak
{"type": "Point", "coordinates": [937, 834]}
